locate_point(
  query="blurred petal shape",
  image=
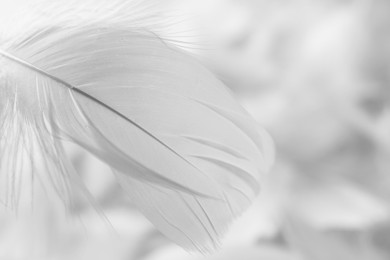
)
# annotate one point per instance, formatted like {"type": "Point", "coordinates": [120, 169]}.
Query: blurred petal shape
{"type": "Point", "coordinates": [317, 244]}
{"type": "Point", "coordinates": [339, 205]}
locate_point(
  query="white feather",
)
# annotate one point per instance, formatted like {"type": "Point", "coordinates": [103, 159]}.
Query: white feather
{"type": "Point", "coordinates": [184, 150]}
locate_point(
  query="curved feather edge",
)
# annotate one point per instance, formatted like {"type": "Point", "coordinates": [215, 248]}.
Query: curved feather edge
{"type": "Point", "coordinates": [187, 154]}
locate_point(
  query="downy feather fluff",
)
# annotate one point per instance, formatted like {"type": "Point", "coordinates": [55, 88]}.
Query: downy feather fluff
{"type": "Point", "coordinates": [181, 146]}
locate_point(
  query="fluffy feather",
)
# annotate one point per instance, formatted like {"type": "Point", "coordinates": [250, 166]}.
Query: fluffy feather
{"type": "Point", "coordinates": [184, 150]}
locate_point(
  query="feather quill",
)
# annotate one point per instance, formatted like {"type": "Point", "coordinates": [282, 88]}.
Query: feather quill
{"type": "Point", "coordinates": [181, 146]}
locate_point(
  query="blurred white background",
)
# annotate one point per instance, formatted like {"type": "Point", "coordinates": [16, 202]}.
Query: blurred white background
{"type": "Point", "coordinates": [316, 74]}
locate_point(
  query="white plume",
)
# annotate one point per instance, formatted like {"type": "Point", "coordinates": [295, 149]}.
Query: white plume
{"type": "Point", "coordinates": [181, 146]}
